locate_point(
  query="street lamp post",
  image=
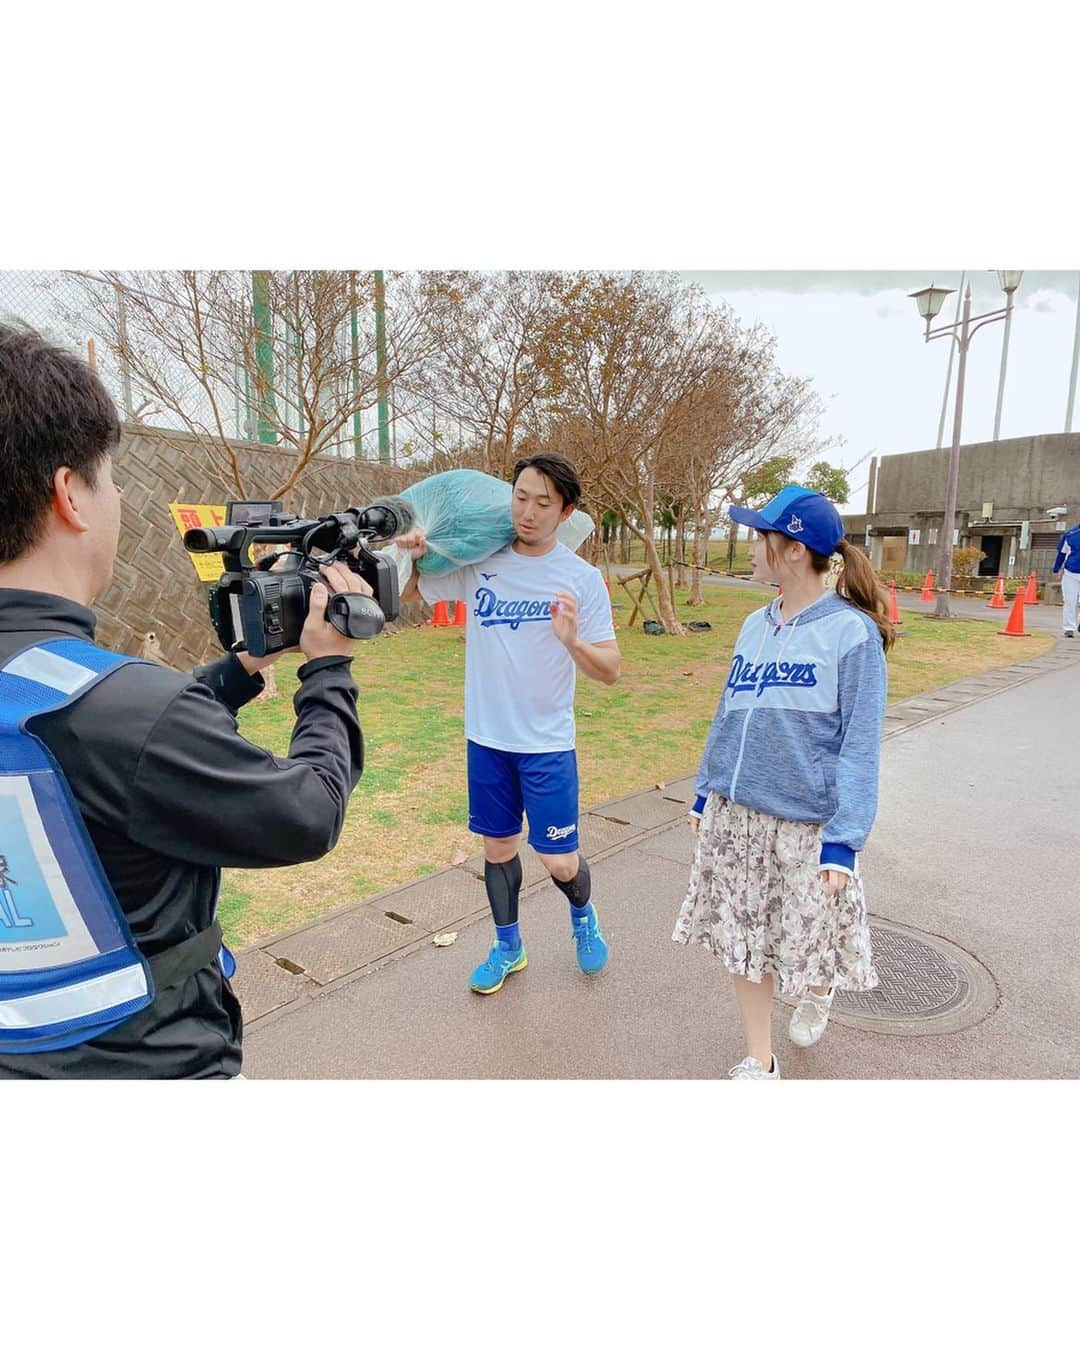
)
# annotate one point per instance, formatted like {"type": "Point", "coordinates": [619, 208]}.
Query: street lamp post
{"type": "Point", "coordinates": [1003, 276]}
{"type": "Point", "coordinates": [929, 302]}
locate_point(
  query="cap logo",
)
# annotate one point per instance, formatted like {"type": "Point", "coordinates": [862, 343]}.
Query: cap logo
{"type": "Point", "coordinates": [795, 525]}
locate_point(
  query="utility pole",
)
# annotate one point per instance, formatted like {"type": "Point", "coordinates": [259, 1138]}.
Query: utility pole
{"type": "Point", "coordinates": [1075, 362]}
{"type": "Point", "coordinates": [264, 355]}
{"type": "Point", "coordinates": [948, 369]}
{"type": "Point", "coordinates": [122, 334]}
{"type": "Point", "coordinates": [929, 301]}
{"type": "Point", "coordinates": [948, 524]}
{"type": "Point", "coordinates": [354, 334]}
{"type": "Point", "coordinates": [1001, 373]}
{"type": "Point", "coordinates": [299, 357]}
{"type": "Point", "coordinates": [380, 345]}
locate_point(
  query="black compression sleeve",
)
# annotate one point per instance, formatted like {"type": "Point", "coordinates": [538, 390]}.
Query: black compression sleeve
{"type": "Point", "coordinates": [503, 884]}
{"type": "Point", "coordinates": [578, 891]}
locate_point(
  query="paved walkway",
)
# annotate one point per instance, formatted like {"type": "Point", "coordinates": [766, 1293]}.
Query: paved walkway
{"type": "Point", "coordinates": [1037, 618]}
{"type": "Point", "coordinates": [974, 852]}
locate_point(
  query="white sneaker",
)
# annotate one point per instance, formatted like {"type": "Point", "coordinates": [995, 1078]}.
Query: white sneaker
{"type": "Point", "coordinates": [810, 1018]}
{"type": "Point", "coordinates": [751, 1068]}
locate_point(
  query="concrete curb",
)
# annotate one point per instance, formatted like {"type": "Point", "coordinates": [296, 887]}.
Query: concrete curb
{"type": "Point", "coordinates": [287, 969]}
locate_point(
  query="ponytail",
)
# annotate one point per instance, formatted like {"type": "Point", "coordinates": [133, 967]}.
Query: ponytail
{"type": "Point", "coordinates": [858, 584]}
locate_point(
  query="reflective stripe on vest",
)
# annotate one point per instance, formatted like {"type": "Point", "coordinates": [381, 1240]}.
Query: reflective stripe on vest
{"type": "Point", "coordinates": [69, 967]}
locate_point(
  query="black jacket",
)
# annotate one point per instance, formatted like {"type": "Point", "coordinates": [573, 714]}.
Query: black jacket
{"type": "Point", "coordinates": [171, 793]}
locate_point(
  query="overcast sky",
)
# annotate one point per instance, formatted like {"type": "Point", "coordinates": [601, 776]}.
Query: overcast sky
{"type": "Point", "coordinates": [860, 338]}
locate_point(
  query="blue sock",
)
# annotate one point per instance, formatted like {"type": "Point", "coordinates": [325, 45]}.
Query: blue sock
{"type": "Point", "coordinates": [583, 911]}
{"type": "Point", "coordinates": [510, 934]}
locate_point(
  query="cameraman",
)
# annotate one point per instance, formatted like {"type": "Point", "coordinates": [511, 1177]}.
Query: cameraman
{"type": "Point", "coordinates": [169, 791]}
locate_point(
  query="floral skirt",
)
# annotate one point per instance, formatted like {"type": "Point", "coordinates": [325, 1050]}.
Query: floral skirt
{"type": "Point", "coordinates": [757, 900]}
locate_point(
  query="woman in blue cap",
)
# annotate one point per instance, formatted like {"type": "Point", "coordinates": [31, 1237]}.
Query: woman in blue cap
{"type": "Point", "coordinates": [787, 789]}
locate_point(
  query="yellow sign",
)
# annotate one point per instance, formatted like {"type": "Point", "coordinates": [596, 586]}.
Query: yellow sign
{"type": "Point", "coordinates": [189, 516]}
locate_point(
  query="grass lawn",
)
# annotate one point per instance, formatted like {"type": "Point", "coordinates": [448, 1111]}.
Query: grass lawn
{"type": "Point", "coordinates": [717, 555]}
{"type": "Point", "coordinates": [407, 816]}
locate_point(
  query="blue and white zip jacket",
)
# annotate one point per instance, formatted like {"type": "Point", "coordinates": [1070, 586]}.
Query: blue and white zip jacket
{"type": "Point", "coordinates": [798, 730]}
{"type": "Point", "coordinates": [1068, 554]}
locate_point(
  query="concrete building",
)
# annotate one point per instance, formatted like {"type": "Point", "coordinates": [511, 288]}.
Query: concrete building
{"type": "Point", "coordinates": [1008, 505]}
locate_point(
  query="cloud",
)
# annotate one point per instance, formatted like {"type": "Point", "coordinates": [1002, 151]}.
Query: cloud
{"type": "Point", "coordinates": [802, 283]}
{"type": "Point", "coordinates": [1047, 301]}
{"type": "Point", "coordinates": [868, 283]}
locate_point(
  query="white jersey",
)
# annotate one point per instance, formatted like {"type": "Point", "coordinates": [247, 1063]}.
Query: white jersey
{"type": "Point", "coordinates": [519, 678]}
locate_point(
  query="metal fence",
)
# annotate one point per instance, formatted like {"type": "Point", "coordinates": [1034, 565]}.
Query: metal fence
{"type": "Point", "coordinates": [56, 305]}
{"type": "Point", "coordinates": [51, 303]}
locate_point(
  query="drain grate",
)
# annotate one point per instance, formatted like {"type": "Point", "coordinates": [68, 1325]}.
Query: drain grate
{"type": "Point", "coordinates": [290, 966]}
{"type": "Point", "coordinates": [916, 980]}
{"type": "Point", "coordinates": [926, 986]}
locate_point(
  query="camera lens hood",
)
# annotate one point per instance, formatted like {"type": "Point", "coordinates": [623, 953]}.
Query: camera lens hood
{"type": "Point", "coordinates": [356, 616]}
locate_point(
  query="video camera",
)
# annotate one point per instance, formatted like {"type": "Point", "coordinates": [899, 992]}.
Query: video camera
{"type": "Point", "coordinates": [264, 604]}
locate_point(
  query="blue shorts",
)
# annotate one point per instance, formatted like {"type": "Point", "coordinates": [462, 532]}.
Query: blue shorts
{"type": "Point", "coordinates": [502, 784]}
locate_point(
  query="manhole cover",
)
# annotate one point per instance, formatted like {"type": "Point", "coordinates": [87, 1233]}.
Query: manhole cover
{"type": "Point", "coordinates": [926, 986]}
{"type": "Point", "coordinates": [916, 979]}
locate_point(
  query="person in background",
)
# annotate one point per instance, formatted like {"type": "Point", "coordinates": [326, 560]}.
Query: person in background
{"type": "Point", "coordinates": [1068, 557]}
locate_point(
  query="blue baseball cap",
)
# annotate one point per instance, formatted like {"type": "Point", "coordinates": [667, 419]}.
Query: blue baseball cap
{"type": "Point", "coordinates": [800, 514]}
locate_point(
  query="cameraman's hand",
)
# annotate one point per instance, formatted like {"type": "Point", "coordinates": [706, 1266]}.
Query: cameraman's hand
{"type": "Point", "coordinates": [319, 637]}
{"type": "Point", "coordinates": [253, 664]}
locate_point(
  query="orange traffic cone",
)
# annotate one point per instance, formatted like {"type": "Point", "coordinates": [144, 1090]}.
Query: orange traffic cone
{"type": "Point", "coordinates": [459, 614]}
{"type": "Point", "coordinates": [894, 608]}
{"type": "Point", "coordinates": [928, 586]}
{"type": "Point", "coordinates": [997, 600]}
{"type": "Point", "coordinates": [441, 616]}
{"type": "Point", "coordinates": [1014, 626]}
{"type": "Point", "coordinates": [1032, 597]}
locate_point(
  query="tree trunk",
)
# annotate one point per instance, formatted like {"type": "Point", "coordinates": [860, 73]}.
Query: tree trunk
{"type": "Point", "coordinates": [624, 542]}
{"type": "Point", "coordinates": [680, 550]}
{"type": "Point", "coordinates": [667, 613]}
{"type": "Point", "coordinates": [702, 531]}
{"type": "Point", "coordinates": [507, 454]}
{"type": "Point", "coordinates": [733, 535]}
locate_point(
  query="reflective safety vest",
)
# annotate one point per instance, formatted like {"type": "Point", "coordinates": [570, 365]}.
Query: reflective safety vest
{"type": "Point", "coordinates": [69, 967]}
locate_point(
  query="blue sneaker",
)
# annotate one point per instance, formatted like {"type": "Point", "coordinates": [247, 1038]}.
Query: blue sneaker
{"type": "Point", "coordinates": [590, 944]}
{"type": "Point", "coordinates": [489, 977]}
